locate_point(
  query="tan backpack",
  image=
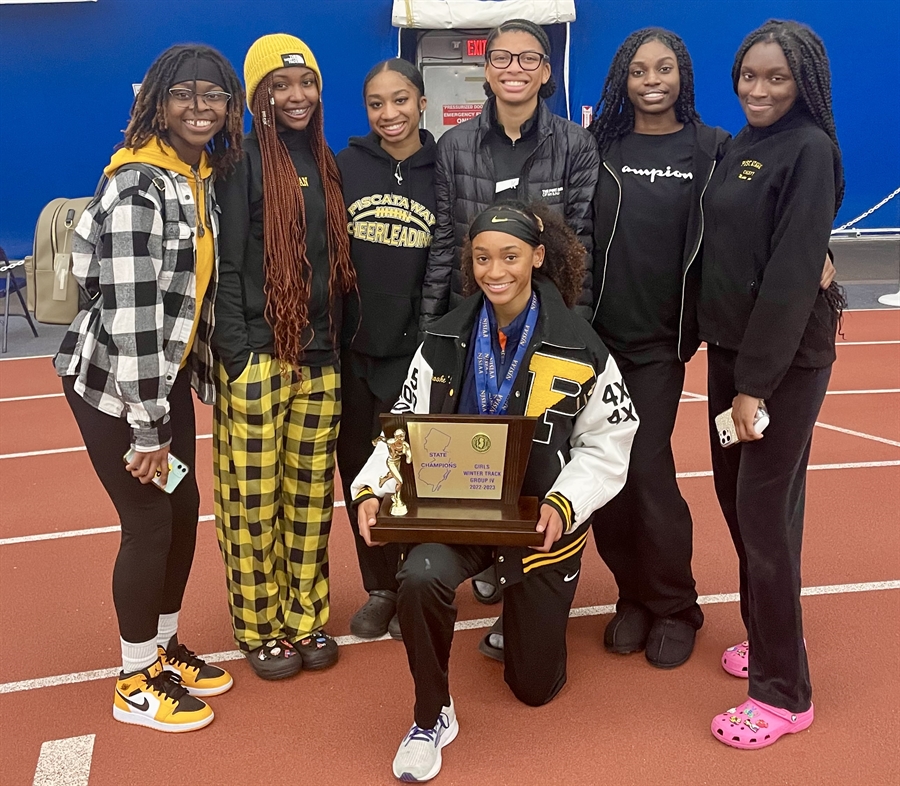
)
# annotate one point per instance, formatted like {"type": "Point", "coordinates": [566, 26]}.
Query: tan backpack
{"type": "Point", "coordinates": [52, 289]}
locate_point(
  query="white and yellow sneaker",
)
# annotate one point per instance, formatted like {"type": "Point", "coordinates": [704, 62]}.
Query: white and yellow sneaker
{"type": "Point", "coordinates": [198, 676]}
{"type": "Point", "coordinates": [155, 698]}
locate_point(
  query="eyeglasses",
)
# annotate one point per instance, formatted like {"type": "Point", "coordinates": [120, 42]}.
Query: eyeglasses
{"type": "Point", "coordinates": [528, 61]}
{"type": "Point", "coordinates": [184, 97]}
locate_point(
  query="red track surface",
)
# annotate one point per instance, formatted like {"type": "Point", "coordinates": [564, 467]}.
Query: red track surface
{"type": "Point", "coordinates": [618, 720]}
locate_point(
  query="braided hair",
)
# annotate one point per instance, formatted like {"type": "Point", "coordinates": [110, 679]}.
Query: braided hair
{"type": "Point", "coordinates": [287, 268]}
{"type": "Point", "coordinates": [563, 252]}
{"type": "Point", "coordinates": [615, 112]}
{"type": "Point", "coordinates": [148, 112]}
{"type": "Point", "coordinates": [533, 29]}
{"type": "Point", "coordinates": [808, 61]}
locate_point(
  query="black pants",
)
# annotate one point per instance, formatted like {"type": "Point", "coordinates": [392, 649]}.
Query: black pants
{"type": "Point", "coordinates": [535, 613]}
{"type": "Point", "coordinates": [645, 533]}
{"type": "Point", "coordinates": [159, 530]}
{"type": "Point", "coordinates": [761, 488]}
{"type": "Point", "coordinates": [359, 426]}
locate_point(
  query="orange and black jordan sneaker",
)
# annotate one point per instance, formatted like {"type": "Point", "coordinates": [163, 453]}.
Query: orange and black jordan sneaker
{"type": "Point", "coordinates": [155, 698]}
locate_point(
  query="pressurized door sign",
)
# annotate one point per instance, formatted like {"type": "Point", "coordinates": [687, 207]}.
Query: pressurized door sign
{"type": "Point", "coordinates": [454, 114]}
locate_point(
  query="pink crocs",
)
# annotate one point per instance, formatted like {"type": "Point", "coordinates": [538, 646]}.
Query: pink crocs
{"type": "Point", "coordinates": [735, 660]}
{"type": "Point", "coordinates": [755, 725]}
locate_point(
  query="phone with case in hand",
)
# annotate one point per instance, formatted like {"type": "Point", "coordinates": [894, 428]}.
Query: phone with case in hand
{"type": "Point", "coordinates": [177, 471]}
{"type": "Point", "coordinates": [728, 433]}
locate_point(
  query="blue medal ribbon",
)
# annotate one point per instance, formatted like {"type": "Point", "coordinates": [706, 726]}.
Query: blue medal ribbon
{"type": "Point", "coordinates": [493, 395]}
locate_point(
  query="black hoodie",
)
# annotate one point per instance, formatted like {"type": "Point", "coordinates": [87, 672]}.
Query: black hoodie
{"type": "Point", "coordinates": [391, 207]}
{"type": "Point", "coordinates": [770, 208]}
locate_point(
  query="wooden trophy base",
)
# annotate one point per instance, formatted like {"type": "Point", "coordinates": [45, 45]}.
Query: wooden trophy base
{"type": "Point", "coordinates": [461, 522]}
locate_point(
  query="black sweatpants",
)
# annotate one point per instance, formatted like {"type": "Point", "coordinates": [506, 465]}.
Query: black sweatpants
{"type": "Point", "coordinates": [359, 426]}
{"type": "Point", "coordinates": [761, 488]}
{"type": "Point", "coordinates": [535, 614]}
{"type": "Point", "coordinates": [159, 530]}
{"type": "Point", "coordinates": [645, 533]}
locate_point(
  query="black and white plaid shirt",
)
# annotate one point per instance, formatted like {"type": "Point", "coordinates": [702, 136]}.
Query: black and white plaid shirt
{"type": "Point", "coordinates": [133, 253]}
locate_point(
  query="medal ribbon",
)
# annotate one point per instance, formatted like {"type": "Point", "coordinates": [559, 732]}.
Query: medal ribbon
{"type": "Point", "coordinates": [493, 395]}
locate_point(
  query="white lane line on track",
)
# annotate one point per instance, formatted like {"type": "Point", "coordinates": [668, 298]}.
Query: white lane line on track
{"type": "Point", "coordinates": [65, 762]}
{"type": "Point", "coordinates": [478, 624]}
{"type": "Point", "coordinates": [690, 398]}
{"type": "Point", "coordinates": [810, 468]}
{"type": "Point", "coordinates": [861, 434]}
{"type": "Point", "coordinates": [75, 533]}
{"type": "Point", "coordinates": [38, 357]}
{"type": "Point", "coordinates": [54, 451]}
{"type": "Point", "coordinates": [30, 398]}
{"type": "Point", "coordinates": [864, 343]}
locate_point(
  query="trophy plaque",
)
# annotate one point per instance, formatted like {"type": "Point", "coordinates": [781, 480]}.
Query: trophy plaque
{"type": "Point", "coordinates": [461, 480]}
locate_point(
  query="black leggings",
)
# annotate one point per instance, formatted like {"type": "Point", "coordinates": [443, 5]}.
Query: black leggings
{"type": "Point", "coordinates": [159, 530]}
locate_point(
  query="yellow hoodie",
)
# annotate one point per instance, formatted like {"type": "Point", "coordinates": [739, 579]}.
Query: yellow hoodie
{"type": "Point", "coordinates": [157, 153]}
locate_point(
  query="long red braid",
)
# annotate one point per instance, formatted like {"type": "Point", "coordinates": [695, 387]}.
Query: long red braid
{"type": "Point", "coordinates": [287, 268]}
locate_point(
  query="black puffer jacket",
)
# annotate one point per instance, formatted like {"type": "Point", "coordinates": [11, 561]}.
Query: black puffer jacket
{"type": "Point", "coordinates": [562, 172]}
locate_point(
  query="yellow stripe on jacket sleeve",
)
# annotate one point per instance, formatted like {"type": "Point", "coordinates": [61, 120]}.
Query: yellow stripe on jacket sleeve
{"type": "Point", "coordinates": [539, 560]}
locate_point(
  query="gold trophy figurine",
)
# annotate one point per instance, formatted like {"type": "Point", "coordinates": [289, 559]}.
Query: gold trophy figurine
{"type": "Point", "coordinates": [397, 447]}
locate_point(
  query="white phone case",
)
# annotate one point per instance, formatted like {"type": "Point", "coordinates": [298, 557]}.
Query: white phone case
{"type": "Point", "coordinates": [177, 471]}
{"type": "Point", "coordinates": [727, 432]}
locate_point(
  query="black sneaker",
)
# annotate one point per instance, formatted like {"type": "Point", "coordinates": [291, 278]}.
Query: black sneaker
{"type": "Point", "coordinates": [373, 619]}
{"type": "Point", "coordinates": [628, 630]}
{"type": "Point", "coordinates": [199, 677]}
{"type": "Point", "coordinates": [276, 659]}
{"type": "Point", "coordinates": [317, 650]}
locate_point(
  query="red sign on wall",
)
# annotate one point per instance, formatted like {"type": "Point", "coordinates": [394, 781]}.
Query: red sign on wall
{"type": "Point", "coordinates": [454, 114]}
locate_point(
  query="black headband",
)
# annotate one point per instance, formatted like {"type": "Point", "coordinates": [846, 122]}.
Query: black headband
{"type": "Point", "coordinates": [501, 218]}
{"type": "Point", "coordinates": [200, 68]}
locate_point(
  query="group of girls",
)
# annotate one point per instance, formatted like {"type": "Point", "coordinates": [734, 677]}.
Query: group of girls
{"type": "Point", "coordinates": [322, 274]}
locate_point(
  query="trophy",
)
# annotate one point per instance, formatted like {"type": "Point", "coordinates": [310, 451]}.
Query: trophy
{"type": "Point", "coordinates": [461, 478]}
{"type": "Point", "coordinates": [398, 448]}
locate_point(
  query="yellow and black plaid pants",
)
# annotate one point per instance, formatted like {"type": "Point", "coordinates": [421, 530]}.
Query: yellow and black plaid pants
{"type": "Point", "coordinates": [274, 442]}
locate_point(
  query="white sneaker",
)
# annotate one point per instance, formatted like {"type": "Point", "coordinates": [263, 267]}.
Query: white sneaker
{"type": "Point", "coordinates": [419, 756]}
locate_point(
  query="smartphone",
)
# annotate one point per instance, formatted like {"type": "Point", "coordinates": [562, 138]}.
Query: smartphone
{"type": "Point", "coordinates": [727, 432]}
{"type": "Point", "coordinates": [177, 471]}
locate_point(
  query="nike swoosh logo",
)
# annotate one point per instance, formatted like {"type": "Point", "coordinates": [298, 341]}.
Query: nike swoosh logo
{"type": "Point", "coordinates": [498, 220]}
{"type": "Point", "coordinates": [567, 577]}
{"type": "Point", "coordinates": [143, 707]}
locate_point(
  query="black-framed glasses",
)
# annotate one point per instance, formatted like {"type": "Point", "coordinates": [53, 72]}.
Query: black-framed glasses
{"type": "Point", "coordinates": [184, 96]}
{"type": "Point", "coordinates": [528, 61]}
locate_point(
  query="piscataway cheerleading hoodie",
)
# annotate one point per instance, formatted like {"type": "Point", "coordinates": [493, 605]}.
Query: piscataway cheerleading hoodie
{"type": "Point", "coordinates": [391, 215]}
{"type": "Point", "coordinates": [770, 208]}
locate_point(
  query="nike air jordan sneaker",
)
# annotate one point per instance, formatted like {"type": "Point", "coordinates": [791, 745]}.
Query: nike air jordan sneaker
{"type": "Point", "coordinates": [155, 698]}
{"type": "Point", "coordinates": [199, 677]}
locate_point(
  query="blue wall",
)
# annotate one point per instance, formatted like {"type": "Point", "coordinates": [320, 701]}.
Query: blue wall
{"type": "Point", "coordinates": [67, 69]}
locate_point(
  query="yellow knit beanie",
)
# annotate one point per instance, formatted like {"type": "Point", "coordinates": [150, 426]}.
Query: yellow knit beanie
{"type": "Point", "coordinates": [272, 52]}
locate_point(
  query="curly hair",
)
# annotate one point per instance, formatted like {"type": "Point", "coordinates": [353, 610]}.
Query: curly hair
{"type": "Point", "coordinates": [808, 61]}
{"type": "Point", "coordinates": [563, 252]}
{"type": "Point", "coordinates": [148, 112]}
{"type": "Point", "coordinates": [615, 112]}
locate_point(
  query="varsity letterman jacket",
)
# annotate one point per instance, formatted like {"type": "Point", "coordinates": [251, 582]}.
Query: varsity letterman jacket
{"type": "Point", "coordinates": [586, 420]}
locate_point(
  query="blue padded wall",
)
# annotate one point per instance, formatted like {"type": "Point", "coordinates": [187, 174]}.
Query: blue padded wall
{"type": "Point", "coordinates": [67, 70]}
